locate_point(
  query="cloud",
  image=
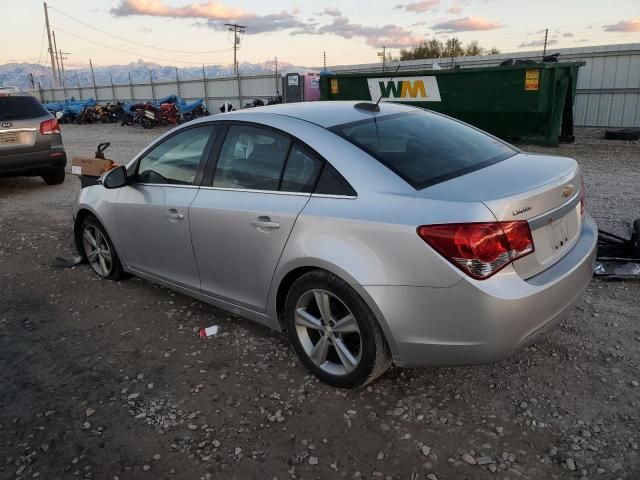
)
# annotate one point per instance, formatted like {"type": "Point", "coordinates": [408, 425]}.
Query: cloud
{"type": "Point", "coordinates": [568, 35]}
{"type": "Point", "coordinates": [538, 43]}
{"type": "Point", "coordinates": [455, 10]}
{"type": "Point", "coordinates": [389, 35]}
{"type": "Point", "coordinates": [624, 26]}
{"type": "Point", "coordinates": [466, 24]}
{"type": "Point", "coordinates": [215, 12]}
{"type": "Point", "coordinates": [331, 11]}
{"type": "Point", "coordinates": [211, 9]}
{"type": "Point", "coordinates": [419, 7]}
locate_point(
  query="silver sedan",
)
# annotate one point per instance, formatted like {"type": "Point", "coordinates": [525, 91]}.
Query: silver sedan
{"type": "Point", "coordinates": [369, 234]}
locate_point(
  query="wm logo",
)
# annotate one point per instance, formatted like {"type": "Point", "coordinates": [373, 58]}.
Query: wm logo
{"type": "Point", "coordinates": [403, 89]}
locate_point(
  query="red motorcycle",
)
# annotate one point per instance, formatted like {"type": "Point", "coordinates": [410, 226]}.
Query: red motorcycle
{"type": "Point", "coordinates": [149, 115]}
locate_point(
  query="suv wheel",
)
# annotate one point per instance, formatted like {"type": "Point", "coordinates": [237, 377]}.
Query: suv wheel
{"type": "Point", "coordinates": [99, 251]}
{"type": "Point", "coordinates": [334, 332]}
{"type": "Point", "coordinates": [54, 178]}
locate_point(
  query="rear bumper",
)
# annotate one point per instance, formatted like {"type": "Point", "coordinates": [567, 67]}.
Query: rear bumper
{"type": "Point", "coordinates": [32, 163]}
{"type": "Point", "coordinates": [476, 322]}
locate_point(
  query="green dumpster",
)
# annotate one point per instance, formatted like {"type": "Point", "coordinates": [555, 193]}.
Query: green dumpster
{"type": "Point", "coordinates": [529, 103]}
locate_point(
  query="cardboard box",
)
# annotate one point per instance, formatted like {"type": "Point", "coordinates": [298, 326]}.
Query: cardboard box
{"type": "Point", "coordinates": [90, 166]}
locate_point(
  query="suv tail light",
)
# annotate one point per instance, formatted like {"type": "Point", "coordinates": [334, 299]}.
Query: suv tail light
{"type": "Point", "coordinates": [583, 198]}
{"type": "Point", "coordinates": [49, 127]}
{"type": "Point", "coordinates": [479, 249]}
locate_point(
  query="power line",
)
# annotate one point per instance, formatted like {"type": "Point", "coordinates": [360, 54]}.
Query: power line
{"type": "Point", "coordinates": [133, 41]}
{"type": "Point", "coordinates": [129, 52]}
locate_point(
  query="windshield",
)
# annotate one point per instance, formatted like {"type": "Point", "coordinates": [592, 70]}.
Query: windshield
{"type": "Point", "coordinates": [425, 148]}
{"type": "Point", "coordinates": [21, 108]}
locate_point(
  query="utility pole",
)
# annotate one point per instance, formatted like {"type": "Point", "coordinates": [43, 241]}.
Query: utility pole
{"type": "Point", "coordinates": [95, 89]}
{"type": "Point", "coordinates": [204, 84]}
{"type": "Point", "coordinates": [546, 34]}
{"type": "Point", "coordinates": [324, 60]}
{"type": "Point", "coordinates": [113, 89]}
{"type": "Point", "coordinates": [178, 82]}
{"type": "Point", "coordinates": [131, 87]}
{"type": "Point", "coordinates": [51, 51]}
{"type": "Point", "coordinates": [236, 30]}
{"type": "Point", "coordinates": [63, 56]}
{"type": "Point", "coordinates": [383, 54]}
{"type": "Point", "coordinates": [55, 48]}
{"type": "Point", "coordinates": [79, 88]}
{"type": "Point", "coordinates": [276, 77]}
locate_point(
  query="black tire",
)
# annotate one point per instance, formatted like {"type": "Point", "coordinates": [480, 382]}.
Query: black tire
{"type": "Point", "coordinates": [374, 356]}
{"type": "Point", "coordinates": [115, 271]}
{"type": "Point", "coordinates": [146, 122]}
{"type": "Point", "coordinates": [56, 177]}
{"type": "Point", "coordinates": [622, 134]}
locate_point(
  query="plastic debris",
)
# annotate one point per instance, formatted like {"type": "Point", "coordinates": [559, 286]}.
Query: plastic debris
{"type": "Point", "coordinates": [206, 332]}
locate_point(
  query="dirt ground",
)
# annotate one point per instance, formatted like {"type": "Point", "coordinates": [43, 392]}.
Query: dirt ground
{"type": "Point", "coordinates": [109, 380]}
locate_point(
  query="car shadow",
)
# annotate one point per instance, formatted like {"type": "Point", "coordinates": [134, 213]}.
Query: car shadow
{"type": "Point", "coordinates": [18, 185]}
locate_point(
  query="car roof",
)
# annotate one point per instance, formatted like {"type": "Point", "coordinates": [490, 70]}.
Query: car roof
{"type": "Point", "coordinates": [323, 113]}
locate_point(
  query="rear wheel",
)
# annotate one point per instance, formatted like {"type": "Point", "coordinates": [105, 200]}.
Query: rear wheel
{"type": "Point", "coordinates": [99, 251]}
{"type": "Point", "coordinates": [54, 178]}
{"type": "Point", "coordinates": [334, 332]}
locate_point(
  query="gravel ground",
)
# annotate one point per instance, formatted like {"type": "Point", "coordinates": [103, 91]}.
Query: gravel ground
{"type": "Point", "coordinates": [110, 381]}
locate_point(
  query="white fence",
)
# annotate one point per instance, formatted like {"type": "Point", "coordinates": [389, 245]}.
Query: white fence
{"type": "Point", "coordinates": [607, 95]}
{"type": "Point", "coordinates": [215, 91]}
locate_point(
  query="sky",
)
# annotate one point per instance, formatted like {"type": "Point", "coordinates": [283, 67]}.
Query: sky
{"type": "Point", "coordinates": [192, 32]}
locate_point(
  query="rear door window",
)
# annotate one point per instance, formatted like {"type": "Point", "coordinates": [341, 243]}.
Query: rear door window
{"type": "Point", "coordinates": [425, 148]}
{"type": "Point", "coordinates": [21, 108]}
{"type": "Point", "coordinates": [251, 158]}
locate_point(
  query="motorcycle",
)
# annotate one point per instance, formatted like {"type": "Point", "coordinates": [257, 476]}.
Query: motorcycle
{"type": "Point", "coordinates": [87, 115]}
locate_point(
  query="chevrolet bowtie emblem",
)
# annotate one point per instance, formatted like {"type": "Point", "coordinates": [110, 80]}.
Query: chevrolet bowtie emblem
{"type": "Point", "coordinates": [567, 191]}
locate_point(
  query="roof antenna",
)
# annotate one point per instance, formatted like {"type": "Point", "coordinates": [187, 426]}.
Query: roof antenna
{"type": "Point", "coordinates": [374, 107]}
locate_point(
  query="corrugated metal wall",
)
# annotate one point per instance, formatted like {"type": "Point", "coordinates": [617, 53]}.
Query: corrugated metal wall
{"type": "Point", "coordinates": [608, 90]}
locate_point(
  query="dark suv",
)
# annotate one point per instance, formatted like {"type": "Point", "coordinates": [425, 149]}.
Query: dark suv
{"type": "Point", "coordinates": [30, 140]}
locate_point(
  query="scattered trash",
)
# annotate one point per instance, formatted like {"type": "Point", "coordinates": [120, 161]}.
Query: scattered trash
{"type": "Point", "coordinates": [206, 332]}
{"type": "Point", "coordinates": [64, 263]}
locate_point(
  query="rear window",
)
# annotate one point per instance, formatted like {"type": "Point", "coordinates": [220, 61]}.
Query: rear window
{"type": "Point", "coordinates": [21, 108]}
{"type": "Point", "coordinates": [425, 148]}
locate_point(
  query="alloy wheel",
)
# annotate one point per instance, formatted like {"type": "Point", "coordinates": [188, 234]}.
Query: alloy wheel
{"type": "Point", "coordinates": [328, 332]}
{"type": "Point", "coordinates": [97, 250]}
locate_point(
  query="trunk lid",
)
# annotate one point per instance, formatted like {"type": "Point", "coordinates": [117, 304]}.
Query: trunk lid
{"type": "Point", "coordinates": [542, 189]}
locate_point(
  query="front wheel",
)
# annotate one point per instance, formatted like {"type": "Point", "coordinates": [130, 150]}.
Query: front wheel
{"type": "Point", "coordinates": [334, 332]}
{"type": "Point", "coordinates": [99, 251]}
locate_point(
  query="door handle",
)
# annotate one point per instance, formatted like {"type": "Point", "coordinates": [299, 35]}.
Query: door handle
{"type": "Point", "coordinates": [265, 223]}
{"type": "Point", "coordinates": [173, 215]}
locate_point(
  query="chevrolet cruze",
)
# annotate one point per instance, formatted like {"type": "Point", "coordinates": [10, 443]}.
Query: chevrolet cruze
{"type": "Point", "coordinates": [369, 234]}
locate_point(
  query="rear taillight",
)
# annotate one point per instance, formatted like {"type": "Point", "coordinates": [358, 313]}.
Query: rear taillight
{"type": "Point", "coordinates": [479, 249]}
{"type": "Point", "coordinates": [49, 127]}
{"type": "Point", "coordinates": [583, 198]}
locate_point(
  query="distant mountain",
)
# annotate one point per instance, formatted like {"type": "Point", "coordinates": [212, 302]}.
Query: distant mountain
{"type": "Point", "coordinates": [17, 74]}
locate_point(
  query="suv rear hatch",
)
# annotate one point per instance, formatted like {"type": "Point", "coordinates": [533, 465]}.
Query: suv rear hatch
{"type": "Point", "coordinates": [543, 190]}
{"type": "Point", "coordinates": [20, 119]}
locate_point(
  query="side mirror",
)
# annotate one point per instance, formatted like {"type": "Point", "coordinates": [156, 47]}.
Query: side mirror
{"type": "Point", "coordinates": [115, 178]}
{"type": "Point", "coordinates": [59, 114]}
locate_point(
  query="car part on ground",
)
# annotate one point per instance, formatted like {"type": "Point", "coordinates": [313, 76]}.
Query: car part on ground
{"type": "Point", "coordinates": [619, 257]}
{"type": "Point", "coordinates": [622, 134]}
